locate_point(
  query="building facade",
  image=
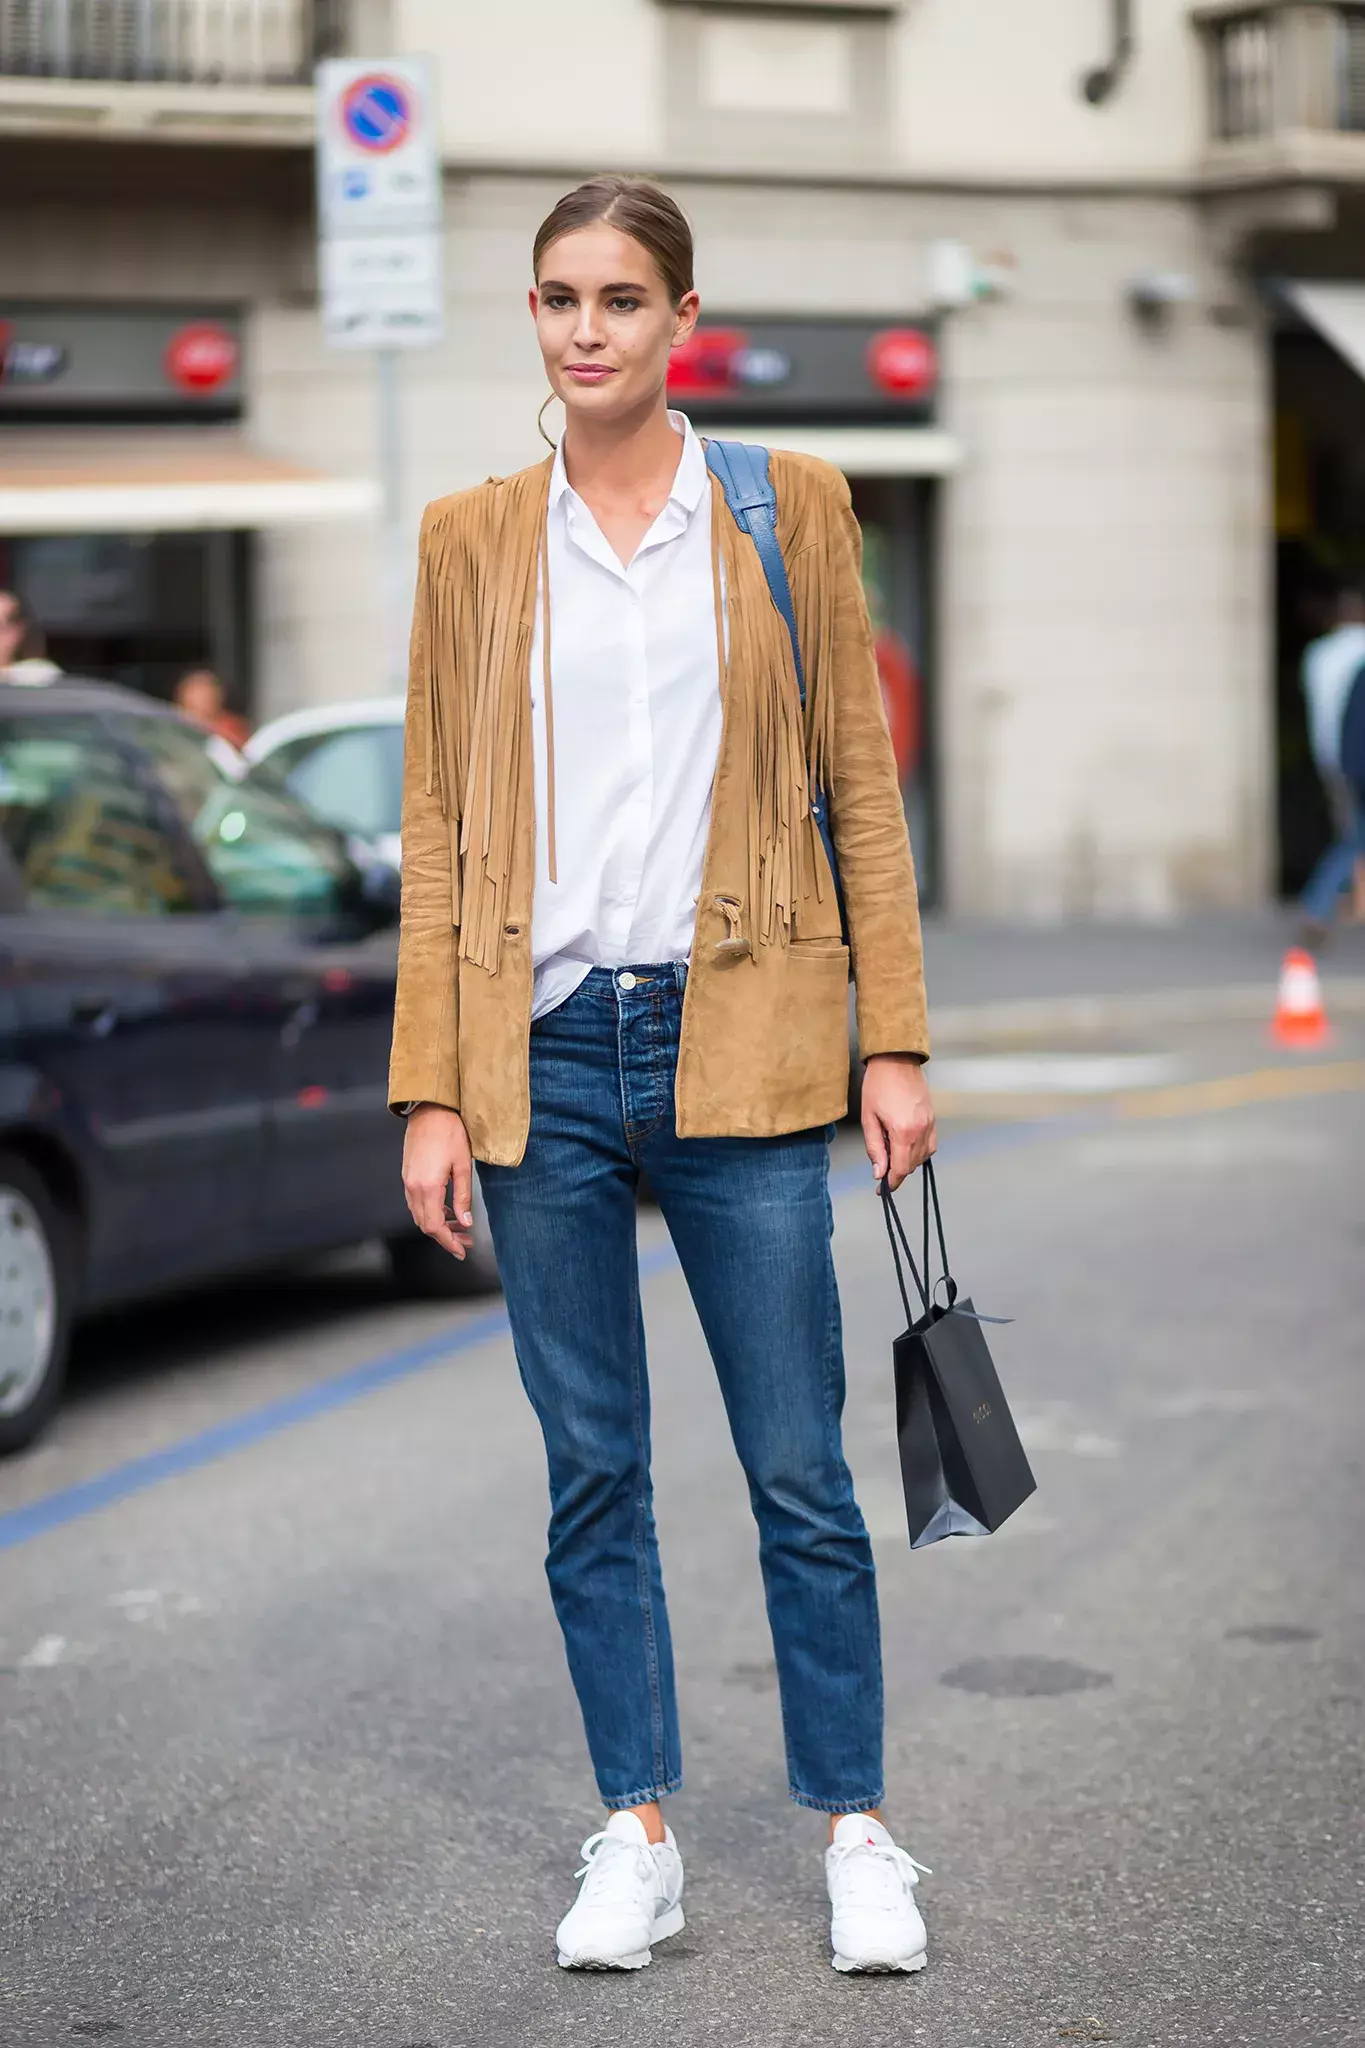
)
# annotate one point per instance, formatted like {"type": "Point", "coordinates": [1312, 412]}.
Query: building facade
{"type": "Point", "coordinates": [1094, 231]}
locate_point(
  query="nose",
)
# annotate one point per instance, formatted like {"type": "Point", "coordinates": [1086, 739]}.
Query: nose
{"type": "Point", "coordinates": [588, 330]}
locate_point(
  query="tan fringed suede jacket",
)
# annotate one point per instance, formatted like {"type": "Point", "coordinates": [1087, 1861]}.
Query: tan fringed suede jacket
{"type": "Point", "coordinates": [765, 1016]}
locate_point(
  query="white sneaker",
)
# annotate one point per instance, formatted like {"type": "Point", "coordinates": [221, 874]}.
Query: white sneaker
{"type": "Point", "coordinates": [876, 1923]}
{"type": "Point", "coordinates": [631, 1897]}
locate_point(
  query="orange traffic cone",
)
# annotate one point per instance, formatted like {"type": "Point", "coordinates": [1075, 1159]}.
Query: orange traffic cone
{"type": "Point", "coordinates": [1300, 1019]}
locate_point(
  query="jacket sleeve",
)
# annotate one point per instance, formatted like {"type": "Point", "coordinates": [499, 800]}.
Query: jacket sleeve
{"type": "Point", "coordinates": [867, 816]}
{"type": "Point", "coordinates": [424, 1064]}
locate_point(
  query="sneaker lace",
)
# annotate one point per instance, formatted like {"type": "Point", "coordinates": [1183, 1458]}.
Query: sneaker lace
{"type": "Point", "coordinates": [613, 1870]}
{"type": "Point", "coordinates": [876, 1873]}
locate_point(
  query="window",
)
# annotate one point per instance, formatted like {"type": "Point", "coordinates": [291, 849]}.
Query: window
{"type": "Point", "coordinates": [747, 82]}
{"type": "Point", "coordinates": [266, 854]}
{"type": "Point", "coordinates": [81, 831]}
{"type": "Point", "coordinates": [354, 778]}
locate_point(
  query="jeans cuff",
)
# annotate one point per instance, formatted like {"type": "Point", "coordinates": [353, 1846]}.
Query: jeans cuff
{"type": "Point", "coordinates": [623, 1801]}
{"type": "Point", "coordinates": [868, 1805]}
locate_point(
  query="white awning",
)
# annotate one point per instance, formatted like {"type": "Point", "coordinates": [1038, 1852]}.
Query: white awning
{"type": "Point", "coordinates": [861, 451]}
{"type": "Point", "coordinates": [161, 481]}
{"type": "Point", "coordinates": [1338, 313]}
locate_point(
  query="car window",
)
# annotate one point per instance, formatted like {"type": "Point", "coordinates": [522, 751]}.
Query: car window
{"type": "Point", "coordinates": [263, 849]}
{"type": "Point", "coordinates": [83, 833]}
{"type": "Point", "coordinates": [354, 777]}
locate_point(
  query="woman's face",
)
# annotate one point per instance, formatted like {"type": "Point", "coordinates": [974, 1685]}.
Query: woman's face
{"type": "Point", "coordinates": [605, 322]}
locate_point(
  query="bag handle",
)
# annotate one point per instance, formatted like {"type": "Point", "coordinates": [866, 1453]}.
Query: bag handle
{"type": "Point", "coordinates": [930, 1193]}
{"type": "Point", "coordinates": [895, 1229]}
{"type": "Point", "coordinates": [928, 1287]}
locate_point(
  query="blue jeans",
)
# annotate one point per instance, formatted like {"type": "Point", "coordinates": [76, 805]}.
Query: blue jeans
{"type": "Point", "coordinates": [1331, 878]}
{"type": "Point", "coordinates": [751, 1221]}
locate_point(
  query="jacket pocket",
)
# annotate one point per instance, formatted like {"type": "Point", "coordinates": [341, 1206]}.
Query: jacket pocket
{"type": "Point", "coordinates": [818, 949]}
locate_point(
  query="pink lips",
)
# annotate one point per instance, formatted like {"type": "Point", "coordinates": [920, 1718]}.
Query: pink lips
{"type": "Point", "coordinates": [589, 373]}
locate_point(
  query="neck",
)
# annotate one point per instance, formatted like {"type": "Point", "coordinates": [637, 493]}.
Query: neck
{"type": "Point", "coordinates": [627, 455]}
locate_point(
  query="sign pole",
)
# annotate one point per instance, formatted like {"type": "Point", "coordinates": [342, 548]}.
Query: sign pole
{"type": "Point", "coordinates": [379, 226]}
{"type": "Point", "coordinates": [391, 484]}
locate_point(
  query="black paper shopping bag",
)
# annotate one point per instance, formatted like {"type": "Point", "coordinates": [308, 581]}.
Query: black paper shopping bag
{"type": "Point", "coordinates": [962, 1464]}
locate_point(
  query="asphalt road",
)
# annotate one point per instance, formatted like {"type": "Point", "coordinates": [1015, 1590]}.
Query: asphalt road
{"type": "Point", "coordinates": [289, 1751]}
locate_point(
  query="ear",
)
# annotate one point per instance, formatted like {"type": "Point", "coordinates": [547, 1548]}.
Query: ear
{"type": "Point", "coordinates": [533, 301]}
{"type": "Point", "coordinates": [685, 318]}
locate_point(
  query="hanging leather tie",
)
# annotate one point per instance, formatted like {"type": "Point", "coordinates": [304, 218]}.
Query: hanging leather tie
{"type": "Point", "coordinates": [549, 698]}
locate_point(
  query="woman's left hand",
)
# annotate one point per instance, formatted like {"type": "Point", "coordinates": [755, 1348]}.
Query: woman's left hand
{"type": "Point", "coordinates": [898, 1116]}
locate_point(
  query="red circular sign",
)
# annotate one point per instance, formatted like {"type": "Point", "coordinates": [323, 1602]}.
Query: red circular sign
{"type": "Point", "coordinates": [902, 362]}
{"type": "Point", "coordinates": [376, 112]}
{"type": "Point", "coordinates": [201, 357]}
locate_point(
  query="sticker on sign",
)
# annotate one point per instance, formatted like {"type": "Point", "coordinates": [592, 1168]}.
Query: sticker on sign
{"type": "Point", "coordinates": [381, 291]}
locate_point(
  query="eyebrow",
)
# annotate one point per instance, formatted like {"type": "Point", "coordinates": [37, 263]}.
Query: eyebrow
{"type": "Point", "coordinates": [556, 284]}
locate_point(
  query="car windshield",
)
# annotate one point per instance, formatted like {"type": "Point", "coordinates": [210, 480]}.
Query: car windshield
{"type": "Point", "coordinates": [265, 851]}
{"type": "Point", "coordinates": [352, 776]}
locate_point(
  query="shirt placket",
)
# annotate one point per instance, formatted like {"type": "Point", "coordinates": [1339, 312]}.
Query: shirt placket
{"type": "Point", "coordinates": [624, 885]}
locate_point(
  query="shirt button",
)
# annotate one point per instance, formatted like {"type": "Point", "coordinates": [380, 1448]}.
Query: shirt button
{"type": "Point", "coordinates": [625, 981]}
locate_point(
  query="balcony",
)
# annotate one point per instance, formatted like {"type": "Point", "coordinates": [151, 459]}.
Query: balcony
{"type": "Point", "coordinates": [1286, 92]}
{"type": "Point", "coordinates": [208, 70]}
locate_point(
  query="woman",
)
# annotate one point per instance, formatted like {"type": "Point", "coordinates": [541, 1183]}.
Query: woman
{"type": "Point", "coordinates": [622, 953]}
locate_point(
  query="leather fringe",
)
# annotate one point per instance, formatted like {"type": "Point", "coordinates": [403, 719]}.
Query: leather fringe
{"type": "Point", "coordinates": [482, 565]}
{"type": "Point", "coordinates": [786, 757]}
{"type": "Point", "coordinates": [482, 553]}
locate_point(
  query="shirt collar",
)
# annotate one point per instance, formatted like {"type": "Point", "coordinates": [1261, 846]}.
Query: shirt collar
{"type": "Point", "coordinates": [689, 485]}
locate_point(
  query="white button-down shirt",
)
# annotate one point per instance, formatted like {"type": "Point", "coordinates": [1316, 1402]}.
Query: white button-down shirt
{"type": "Point", "coordinates": [637, 712]}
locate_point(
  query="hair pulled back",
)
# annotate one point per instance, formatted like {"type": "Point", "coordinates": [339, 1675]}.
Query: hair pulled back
{"type": "Point", "coordinates": [639, 209]}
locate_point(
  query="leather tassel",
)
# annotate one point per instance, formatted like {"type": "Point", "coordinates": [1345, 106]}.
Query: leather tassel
{"type": "Point", "coordinates": [484, 565]}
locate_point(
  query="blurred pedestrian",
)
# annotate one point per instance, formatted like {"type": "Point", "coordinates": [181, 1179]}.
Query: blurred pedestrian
{"type": "Point", "coordinates": [200, 695]}
{"type": "Point", "coordinates": [22, 659]}
{"type": "Point", "coordinates": [1332, 669]}
{"type": "Point", "coordinates": [621, 954]}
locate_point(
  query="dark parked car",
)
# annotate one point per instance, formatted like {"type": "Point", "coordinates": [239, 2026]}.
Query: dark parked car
{"type": "Point", "coordinates": [196, 991]}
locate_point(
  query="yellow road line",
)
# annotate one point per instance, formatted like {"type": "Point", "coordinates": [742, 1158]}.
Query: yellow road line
{"type": "Point", "coordinates": [1231, 1091]}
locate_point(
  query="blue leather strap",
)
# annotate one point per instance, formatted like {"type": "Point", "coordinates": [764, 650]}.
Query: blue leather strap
{"type": "Point", "coordinates": [743, 475]}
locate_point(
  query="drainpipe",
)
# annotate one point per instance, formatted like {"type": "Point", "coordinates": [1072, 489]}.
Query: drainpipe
{"type": "Point", "coordinates": [1100, 84]}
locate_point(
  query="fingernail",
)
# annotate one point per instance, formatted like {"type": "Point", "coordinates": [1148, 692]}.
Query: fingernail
{"type": "Point", "coordinates": [466, 1219]}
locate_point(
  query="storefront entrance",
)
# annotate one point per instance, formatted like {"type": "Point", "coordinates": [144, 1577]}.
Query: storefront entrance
{"type": "Point", "coordinates": [138, 608]}
{"type": "Point", "coordinates": [895, 514]}
{"type": "Point", "coordinates": [862, 395]}
{"type": "Point", "coordinates": [1320, 542]}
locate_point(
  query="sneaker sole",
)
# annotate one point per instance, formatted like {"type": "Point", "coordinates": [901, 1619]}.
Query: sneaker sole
{"type": "Point", "coordinates": [882, 1967]}
{"type": "Point", "coordinates": [669, 1923]}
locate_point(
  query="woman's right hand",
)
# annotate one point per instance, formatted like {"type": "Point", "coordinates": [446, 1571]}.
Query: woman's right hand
{"type": "Point", "coordinates": [436, 1154]}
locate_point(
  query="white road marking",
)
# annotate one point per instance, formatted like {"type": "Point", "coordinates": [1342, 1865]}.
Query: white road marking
{"type": "Point", "coordinates": [1055, 1426]}
{"type": "Point", "coordinates": [1179, 1407]}
{"type": "Point", "coordinates": [47, 1651]}
{"type": "Point", "coordinates": [1054, 1073]}
{"type": "Point", "coordinates": [154, 1606]}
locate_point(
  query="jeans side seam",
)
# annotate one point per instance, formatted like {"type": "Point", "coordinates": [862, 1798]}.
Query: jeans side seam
{"type": "Point", "coordinates": [656, 1704]}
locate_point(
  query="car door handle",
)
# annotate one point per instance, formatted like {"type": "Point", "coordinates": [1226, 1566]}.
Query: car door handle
{"type": "Point", "coordinates": [94, 1016]}
{"type": "Point", "coordinates": [303, 1019]}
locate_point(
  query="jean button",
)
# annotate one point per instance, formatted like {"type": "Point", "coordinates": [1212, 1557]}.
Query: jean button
{"type": "Point", "coordinates": [625, 981]}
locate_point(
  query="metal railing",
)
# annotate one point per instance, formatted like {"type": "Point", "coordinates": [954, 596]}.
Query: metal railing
{"type": "Point", "coordinates": [1286, 64]}
{"type": "Point", "coordinates": [186, 42]}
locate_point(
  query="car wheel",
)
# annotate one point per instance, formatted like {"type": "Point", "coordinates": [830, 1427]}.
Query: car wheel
{"type": "Point", "coordinates": [35, 1302]}
{"type": "Point", "coordinates": [424, 1269]}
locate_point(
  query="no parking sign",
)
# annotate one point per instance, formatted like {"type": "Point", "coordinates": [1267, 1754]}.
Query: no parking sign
{"type": "Point", "coordinates": [379, 203]}
{"type": "Point", "coordinates": [377, 112]}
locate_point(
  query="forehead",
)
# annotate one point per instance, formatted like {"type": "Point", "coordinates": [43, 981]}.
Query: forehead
{"type": "Point", "coordinates": [599, 253]}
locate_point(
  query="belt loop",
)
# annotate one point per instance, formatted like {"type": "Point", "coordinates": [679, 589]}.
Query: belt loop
{"type": "Point", "coordinates": [680, 971]}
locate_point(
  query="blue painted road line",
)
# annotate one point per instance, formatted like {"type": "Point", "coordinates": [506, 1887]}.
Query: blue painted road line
{"type": "Point", "coordinates": [72, 1503]}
